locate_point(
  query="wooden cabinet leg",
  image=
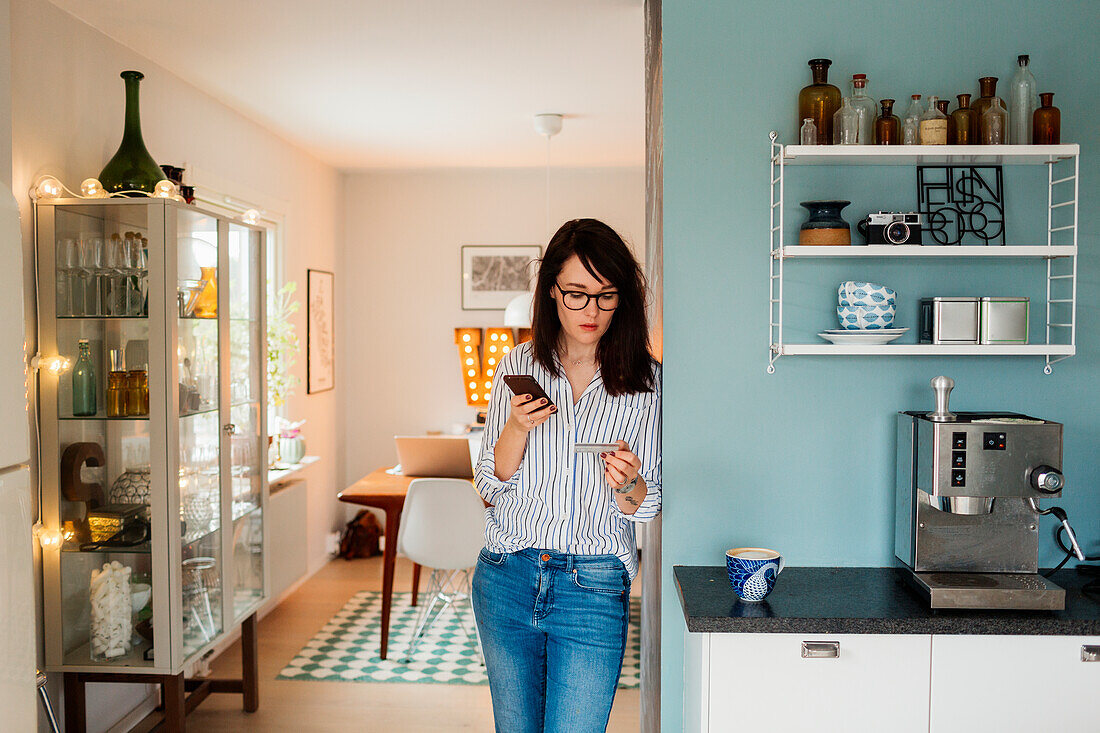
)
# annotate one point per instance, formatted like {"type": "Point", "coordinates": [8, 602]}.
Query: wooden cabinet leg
{"type": "Point", "coordinates": [416, 582]}
{"type": "Point", "coordinates": [175, 706]}
{"type": "Point", "coordinates": [75, 715]}
{"type": "Point", "coordinates": [250, 675]}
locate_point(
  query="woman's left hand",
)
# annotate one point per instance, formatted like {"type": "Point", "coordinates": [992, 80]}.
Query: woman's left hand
{"type": "Point", "coordinates": [621, 466]}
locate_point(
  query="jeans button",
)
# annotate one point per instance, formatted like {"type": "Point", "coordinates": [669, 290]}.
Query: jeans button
{"type": "Point", "coordinates": [545, 557]}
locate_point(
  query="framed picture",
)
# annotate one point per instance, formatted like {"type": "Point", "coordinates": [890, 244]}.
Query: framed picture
{"type": "Point", "coordinates": [492, 275]}
{"type": "Point", "coordinates": [320, 349]}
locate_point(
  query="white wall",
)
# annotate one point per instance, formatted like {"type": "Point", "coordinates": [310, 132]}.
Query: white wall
{"type": "Point", "coordinates": [67, 112]}
{"type": "Point", "coordinates": [398, 285]}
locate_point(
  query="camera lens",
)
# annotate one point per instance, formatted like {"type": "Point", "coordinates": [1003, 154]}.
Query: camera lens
{"type": "Point", "coordinates": [897, 233]}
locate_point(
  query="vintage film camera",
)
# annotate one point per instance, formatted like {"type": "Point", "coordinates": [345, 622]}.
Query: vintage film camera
{"type": "Point", "coordinates": [887, 227]}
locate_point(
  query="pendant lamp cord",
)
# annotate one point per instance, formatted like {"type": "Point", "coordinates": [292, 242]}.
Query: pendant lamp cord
{"type": "Point", "coordinates": [547, 188]}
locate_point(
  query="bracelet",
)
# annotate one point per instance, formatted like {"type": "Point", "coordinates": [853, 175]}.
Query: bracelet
{"type": "Point", "coordinates": [627, 488]}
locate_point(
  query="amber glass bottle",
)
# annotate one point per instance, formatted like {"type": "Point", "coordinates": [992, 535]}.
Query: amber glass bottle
{"type": "Point", "coordinates": [1047, 127]}
{"type": "Point", "coordinates": [942, 105]}
{"type": "Point", "coordinates": [887, 125]}
{"type": "Point", "coordinates": [988, 87]}
{"type": "Point", "coordinates": [819, 101]}
{"type": "Point", "coordinates": [963, 118]}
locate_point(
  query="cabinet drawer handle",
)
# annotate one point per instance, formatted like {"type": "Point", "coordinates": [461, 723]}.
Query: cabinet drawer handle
{"type": "Point", "coordinates": [820, 649]}
{"type": "Point", "coordinates": [1090, 652]}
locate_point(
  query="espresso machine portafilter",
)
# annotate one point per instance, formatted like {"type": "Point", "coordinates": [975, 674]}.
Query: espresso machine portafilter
{"type": "Point", "coordinates": [967, 505]}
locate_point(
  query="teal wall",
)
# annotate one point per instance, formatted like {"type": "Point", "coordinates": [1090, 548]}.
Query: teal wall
{"type": "Point", "coordinates": [803, 460]}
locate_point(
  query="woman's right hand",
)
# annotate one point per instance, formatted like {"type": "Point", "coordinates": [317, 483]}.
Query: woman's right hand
{"type": "Point", "coordinates": [528, 413]}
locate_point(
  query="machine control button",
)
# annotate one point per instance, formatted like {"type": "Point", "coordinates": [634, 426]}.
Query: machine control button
{"type": "Point", "coordinates": [958, 459]}
{"type": "Point", "coordinates": [958, 441]}
{"type": "Point", "coordinates": [993, 441]}
{"type": "Point", "coordinates": [958, 477]}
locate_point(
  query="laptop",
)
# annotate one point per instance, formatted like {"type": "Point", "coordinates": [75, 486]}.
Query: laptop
{"type": "Point", "coordinates": [437, 456]}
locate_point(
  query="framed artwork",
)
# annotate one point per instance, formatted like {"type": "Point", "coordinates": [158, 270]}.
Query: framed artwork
{"type": "Point", "coordinates": [492, 275]}
{"type": "Point", "coordinates": [320, 345]}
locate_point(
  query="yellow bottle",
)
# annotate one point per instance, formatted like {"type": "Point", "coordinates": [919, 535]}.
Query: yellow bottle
{"type": "Point", "coordinates": [206, 306]}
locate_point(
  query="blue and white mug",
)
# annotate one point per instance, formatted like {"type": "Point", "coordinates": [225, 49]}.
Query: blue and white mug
{"type": "Point", "coordinates": [752, 572]}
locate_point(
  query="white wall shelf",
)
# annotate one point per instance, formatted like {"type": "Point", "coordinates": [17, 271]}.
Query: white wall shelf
{"type": "Point", "coordinates": [1059, 252]}
{"type": "Point", "coordinates": [927, 155]}
{"type": "Point", "coordinates": [887, 251]}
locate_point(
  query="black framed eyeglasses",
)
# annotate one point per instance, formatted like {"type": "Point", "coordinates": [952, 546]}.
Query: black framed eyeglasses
{"type": "Point", "coordinates": [575, 300]}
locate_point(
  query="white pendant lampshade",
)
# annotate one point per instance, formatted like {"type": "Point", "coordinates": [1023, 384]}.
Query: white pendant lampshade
{"type": "Point", "coordinates": [517, 314]}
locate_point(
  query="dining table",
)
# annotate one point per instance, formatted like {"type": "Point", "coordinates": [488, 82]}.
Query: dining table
{"type": "Point", "coordinates": [385, 490]}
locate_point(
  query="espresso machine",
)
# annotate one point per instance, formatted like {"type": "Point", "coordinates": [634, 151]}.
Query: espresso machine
{"type": "Point", "coordinates": [967, 505]}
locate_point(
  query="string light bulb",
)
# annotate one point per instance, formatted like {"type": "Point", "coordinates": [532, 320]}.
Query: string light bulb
{"type": "Point", "coordinates": [250, 216]}
{"type": "Point", "coordinates": [52, 364]}
{"type": "Point", "coordinates": [164, 189]}
{"type": "Point", "coordinates": [91, 188]}
{"type": "Point", "coordinates": [47, 187]}
{"type": "Point", "coordinates": [48, 538]}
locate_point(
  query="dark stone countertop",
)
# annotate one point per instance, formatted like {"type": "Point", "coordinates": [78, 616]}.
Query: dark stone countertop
{"type": "Point", "coordinates": [864, 601]}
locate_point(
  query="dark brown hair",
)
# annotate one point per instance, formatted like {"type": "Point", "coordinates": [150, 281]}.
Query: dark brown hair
{"type": "Point", "coordinates": [623, 351]}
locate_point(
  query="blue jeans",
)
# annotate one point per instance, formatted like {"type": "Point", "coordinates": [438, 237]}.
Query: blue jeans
{"type": "Point", "coordinates": [553, 629]}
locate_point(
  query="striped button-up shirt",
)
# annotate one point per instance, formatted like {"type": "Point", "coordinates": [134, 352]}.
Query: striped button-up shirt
{"type": "Point", "coordinates": [558, 499]}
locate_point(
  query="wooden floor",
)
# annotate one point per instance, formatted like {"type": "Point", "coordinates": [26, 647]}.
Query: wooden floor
{"type": "Point", "coordinates": [298, 706]}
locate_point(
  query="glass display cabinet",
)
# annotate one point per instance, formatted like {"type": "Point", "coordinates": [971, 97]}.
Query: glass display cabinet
{"type": "Point", "coordinates": [154, 442]}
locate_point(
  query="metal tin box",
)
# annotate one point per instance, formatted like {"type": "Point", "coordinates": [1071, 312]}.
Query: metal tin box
{"type": "Point", "coordinates": [949, 320]}
{"type": "Point", "coordinates": [1004, 320]}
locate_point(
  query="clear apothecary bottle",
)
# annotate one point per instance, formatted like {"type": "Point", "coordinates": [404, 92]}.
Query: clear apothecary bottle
{"type": "Point", "coordinates": [808, 134]}
{"type": "Point", "coordinates": [1022, 102]}
{"type": "Point", "coordinates": [865, 107]}
{"type": "Point", "coordinates": [845, 124]}
{"type": "Point", "coordinates": [995, 124]}
{"type": "Point", "coordinates": [933, 125]}
{"type": "Point", "coordinates": [910, 128]}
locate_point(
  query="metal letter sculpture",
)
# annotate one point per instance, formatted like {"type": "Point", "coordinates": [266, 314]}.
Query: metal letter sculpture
{"type": "Point", "coordinates": [958, 201]}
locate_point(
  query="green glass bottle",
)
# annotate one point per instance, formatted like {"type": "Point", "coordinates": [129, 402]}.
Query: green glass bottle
{"type": "Point", "coordinates": [84, 382]}
{"type": "Point", "coordinates": [131, 168]}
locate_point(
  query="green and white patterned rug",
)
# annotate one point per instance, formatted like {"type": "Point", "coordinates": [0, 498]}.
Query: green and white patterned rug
{"type": "Point", "coordinates": [346, 649]}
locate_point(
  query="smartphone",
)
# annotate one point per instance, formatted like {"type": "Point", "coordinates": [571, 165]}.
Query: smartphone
{"type": "Point", "coordinates": [522, 384]}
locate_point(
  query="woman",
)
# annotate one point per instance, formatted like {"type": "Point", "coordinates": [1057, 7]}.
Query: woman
{"type": "Point", "coordinates": [551, 588]}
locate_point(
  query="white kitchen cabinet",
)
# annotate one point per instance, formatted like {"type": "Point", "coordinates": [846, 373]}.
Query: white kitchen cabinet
{"type": "Point", "coordinates": [767, 682]}
{"type": "Point", "coordinates": [1014, 683]}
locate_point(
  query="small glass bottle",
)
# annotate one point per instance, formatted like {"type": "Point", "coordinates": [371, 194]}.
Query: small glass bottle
{"type": "Point", "coordinates": [988, 87]}
{"type": "Point", "coordinates": [887, 125]}
{"type": "Point", "coordinates": [910, 128]}
{"type": "Point", "coordinates": [963, 119]}
{"type": "Point", "coordinates": [995, 124]}
{"type": "Point", "coordinates": [808, 134]}
{"type": "Point", "coordinates": [942, 105]}
{"type": "Point", "coordinates": [865, 107]}
{"type": "Point", "coordinates": [1047, 122]}
{"type": "Point", "coordinates": [933, 125]}
{"type": "Point", "coordinates": [1022, 102]}
{"type": "Point", "coordinates": [84, 382]}
{"type": "Point", "coordinates": [137, 386]}
{"type": "Point", "coordinates": [845, 124]}
{"type": "Point", "coordinates": [819, 101]}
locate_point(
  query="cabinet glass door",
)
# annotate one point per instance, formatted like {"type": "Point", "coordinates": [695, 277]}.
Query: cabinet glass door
{"type": "Point", "coordinates": [199, 428]}
{"type": "Point", "coordinates": [247, 462]}
{"type": "Point", "coordinates": [98, 261]}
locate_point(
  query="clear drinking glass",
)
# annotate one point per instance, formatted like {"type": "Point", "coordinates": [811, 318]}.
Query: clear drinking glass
{"type": "Point", "coordinates": [67, 262]}
{"type": "Point", "coordinates": [115, 266]}
{"type": "Point", "coordinates": [91, 257]}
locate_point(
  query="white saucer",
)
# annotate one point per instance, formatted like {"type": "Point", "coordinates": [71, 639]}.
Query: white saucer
{"type": "Point", "coordinates": [875, 336]}
{"type": "Point", "coordinates": [865, 330]}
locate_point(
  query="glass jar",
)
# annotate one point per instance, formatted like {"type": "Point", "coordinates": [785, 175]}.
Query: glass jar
{"type": "Point", "coordinates": [116, 394]}
{"type": "Point", "coordinates": [1047, 122]}
{"type": "Point", "coordinates": [988, 87]}
{"type": "Point", "coordinates": [845, 124]}
{"type": "Point", "coordinates": [933, 125]}
{"type": "Point", "coordinates": [910, 128]}
{"type": "Point", "coordinates": [137, 393]}
{"type": "Point", "coordinates": [206, 304]}
{"type": "Point", "coordinates": [887, 125]}
{"type": "Point", "coordinates": [807, 135]}
{"type": "Point", "coordinates": [865, 107]}
{"type": "Point", "coordinates": [942, 105]}
{"type": "Point", "coordinates": [84, 381]}
{"type": "Point", "coordinates": [995, 124]}
{"type": "Point", "coordinates": [110, 627]}
{"type": "Point", "coordinates": [963, 117]}
{"type": "Point", "coordinates": [1023, 100]}
{"type": "Point", "coordinates": [819, 101]}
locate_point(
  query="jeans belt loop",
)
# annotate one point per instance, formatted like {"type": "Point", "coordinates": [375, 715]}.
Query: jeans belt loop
{"type": "Point", "coordinates": [569, 563]}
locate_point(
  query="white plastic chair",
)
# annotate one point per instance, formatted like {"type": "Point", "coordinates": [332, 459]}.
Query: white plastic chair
{"type": "Point", "coordinates": [443, 528]}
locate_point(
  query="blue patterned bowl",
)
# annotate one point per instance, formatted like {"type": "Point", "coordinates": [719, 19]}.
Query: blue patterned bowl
{"type": "Point", "coordinates": [854, 292]}
{"type": "Point", "coordinates": [865, 318]}
{"type": "Point", "coordinates": [752, 572]}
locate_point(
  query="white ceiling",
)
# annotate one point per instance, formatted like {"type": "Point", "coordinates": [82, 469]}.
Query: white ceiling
{"type": "Point", "coordinates": [418, 83]}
